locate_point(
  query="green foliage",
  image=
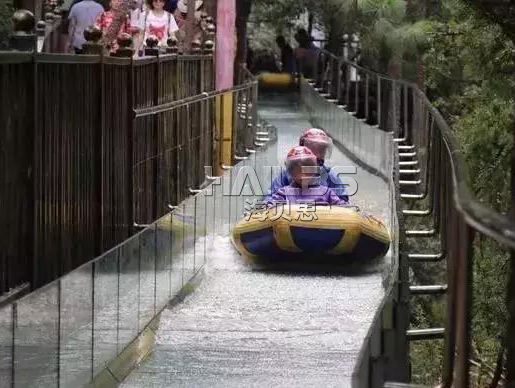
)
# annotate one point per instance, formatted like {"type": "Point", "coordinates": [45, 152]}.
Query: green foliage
{"type": "Point", "coordinates": [469, 72]}
{"type": "Point", "coordinates": [489, 310]}
{"type": "Point", "coordinates": [271, 18]}
{"type": "Point", "coordinates": [6, 12]}
{"type": "Point", "coordinates": [484, 132]}
{"type": "Point", "coordinates": [466, 68]}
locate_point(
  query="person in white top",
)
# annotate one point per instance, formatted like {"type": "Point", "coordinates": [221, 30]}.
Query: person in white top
{"type": "Point", "coordinates": [155, 21]}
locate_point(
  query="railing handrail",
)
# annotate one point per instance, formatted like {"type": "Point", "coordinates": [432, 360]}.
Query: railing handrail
{"type": "Point", "coordinates": [497, 226]}
{"type": "Point", "coordinates": [480, 217]}
{"type": "Point", "coordinates": [142, 112]}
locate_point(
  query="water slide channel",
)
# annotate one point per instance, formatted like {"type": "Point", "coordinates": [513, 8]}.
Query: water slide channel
{"type": "Point", "coordinates": [248, 327]}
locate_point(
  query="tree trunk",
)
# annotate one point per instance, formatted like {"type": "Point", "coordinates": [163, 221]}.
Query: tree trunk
{"type": "Point", "coordinates": [190, 25]}
{"type": "Point", "coordinates": [394, 100]}
{"type": "Point", "coordinates": [243, 8]}
{"type": "Point", "coordinates": [432, 8]}
{"type": "Point", "coordinates": [421, 73]}
{"type": "Point", "coordinates": [335, 38]}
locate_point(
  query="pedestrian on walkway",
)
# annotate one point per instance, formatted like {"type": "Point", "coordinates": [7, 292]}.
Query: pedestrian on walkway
{"type": "Point", "coordinates": [82, 15]}
{"type": "Point", "coordinates": [105, 22]}
{"type": "Point", "coordinates": [155, 21]}
{"type": "Point", "coordinates": [181, 16]}
{"type": "Point", "coordinates": [306, 55]}
{"type": "Point", "coordinates": [287, 58]}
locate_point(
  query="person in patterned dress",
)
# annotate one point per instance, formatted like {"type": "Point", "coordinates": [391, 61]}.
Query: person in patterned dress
{"type": "Point", "coordinates": [105, 23]}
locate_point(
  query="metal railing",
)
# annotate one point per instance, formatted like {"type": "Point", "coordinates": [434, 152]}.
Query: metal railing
{"type": "Point", "coordinates": [433, 189]}
{"type": "Point", "coordinates": [373, 150]}
{"type": "Point", "coordinates": [67, 332]}
{"type": "Point", "coordinates": [80, 167]}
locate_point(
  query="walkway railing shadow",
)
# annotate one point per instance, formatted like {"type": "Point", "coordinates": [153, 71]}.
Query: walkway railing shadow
{"type": "Point", "coordinates": [433, 188]}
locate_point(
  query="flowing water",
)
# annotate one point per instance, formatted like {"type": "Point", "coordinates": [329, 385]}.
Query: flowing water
{"type": "Point", "coordinates": [245, 327]}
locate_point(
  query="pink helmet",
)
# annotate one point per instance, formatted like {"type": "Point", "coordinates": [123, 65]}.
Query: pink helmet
{"type": "Point", "coordinates": [300, 156]}
{"type": "Point", "coordinates": [317, 141]}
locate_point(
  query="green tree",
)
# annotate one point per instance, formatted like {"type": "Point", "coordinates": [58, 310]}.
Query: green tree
{"type": "Point", "coordinates": [6, 12]}
{"type": "Point", "coordinates": [502, 14]}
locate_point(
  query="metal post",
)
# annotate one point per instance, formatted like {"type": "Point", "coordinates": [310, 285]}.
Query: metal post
{"type": "Point", "coordinates": [379, 97]}
{"type": "Point", "coordinates": [190, 25]}
{"type": "Point", "coordinates": [34, 276]}
{"type": "Point", "coordinates": [405, 126]}
{"type": "Point", "coordinates": [254, 112]}
{"type": "Point", "coordinates": [100, 162]}
{"type": "Point", "coordinates": [129, 154]}
{"type": "Point", "coordinates": [339, 80]}
{"type": "Point", "coordinates": [464, 305]}
{"type": "Point", "coordinates": [23, 37]}
{"type": "Point", "coordinates": [347, 87]}
{"type": "Point", "coordinates": [367, 96]}
{"type": "Point", "coordinates": [356, 94]}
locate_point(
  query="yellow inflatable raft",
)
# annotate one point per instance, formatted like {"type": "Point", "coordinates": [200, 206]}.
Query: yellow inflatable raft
{"type": "Point", "coordinates": [276, 80]}
{"type": "Point", "coordinates": [335, 233]}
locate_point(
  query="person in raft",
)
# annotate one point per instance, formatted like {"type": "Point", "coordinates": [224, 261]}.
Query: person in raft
{"type": "Point", "coordinates": [321, 145]}
{"type": "Point", "coordinates": [302, 166]}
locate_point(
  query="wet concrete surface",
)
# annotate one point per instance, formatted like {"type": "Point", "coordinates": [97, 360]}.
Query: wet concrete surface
{"type": "Point", "coordinates": [252, 328]}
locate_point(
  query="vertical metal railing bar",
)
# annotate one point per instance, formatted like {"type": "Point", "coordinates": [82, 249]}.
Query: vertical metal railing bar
{"type": "Point", "coordinates": [93, 267]}
{"type": "Point", "coordinates": [59, 294]}
{"type": "Point", "coordinates": [33, 276]}
{"type": "Point", "coordinates": [183, 246]}
{"type": "Point", "coordinates": [428, 129]}
{"type": "Point", "coordinates": [195, 235]}
{"type": "Point", "coordinates": [406, 127]}
{"type": "Point", "coordinates": [118, 272]}
{"type": "Point", "coordinates": [13, 343]}
{"type": "Point", "coordinates": [101, 162]}
{"type": "Point", "coordinates": [139, 285]}
{"type": "Point", "coordinates": [356, 94]}
{"type": "Point", "coordinates": [432, 187]}
{"type": "Point", "coordinates": [439, 209]}
{"type": "Point", "coordinates": [367, 97]}
{"type": "Point", "coordinates": [396, 105]}
{"type": "Point", "coordinates": [449, 342]}
{"type": "Point", "coordinates": [254, 102]}
{"type": "Point", "coordinates": [130, 153]}
{"type": "Point", "coordinates": [465, 308]}
{"type": "Point", "coordinates": [347, 87]}
{"type": "Point", "coordinates": [339, 81]}
{"type": "Point", "coordinates": [154, 228]}
{"type": "Point", "coordinates": [155, 141]}
{"type": "Point", "coordinates": [379, 98]}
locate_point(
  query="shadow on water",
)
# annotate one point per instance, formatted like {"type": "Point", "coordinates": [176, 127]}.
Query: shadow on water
{"type": "Point", "coordinates": [288, 99]}
{"type": "Point", "coordinates": [320, 266]}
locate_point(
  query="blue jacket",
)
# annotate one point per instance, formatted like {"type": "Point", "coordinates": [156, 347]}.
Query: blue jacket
{"type": "Point", "coordinates": [333, 182]}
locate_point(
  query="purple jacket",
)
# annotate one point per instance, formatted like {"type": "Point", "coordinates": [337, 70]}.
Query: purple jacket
{"type": "Point", "coordinates": [319, 195]}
